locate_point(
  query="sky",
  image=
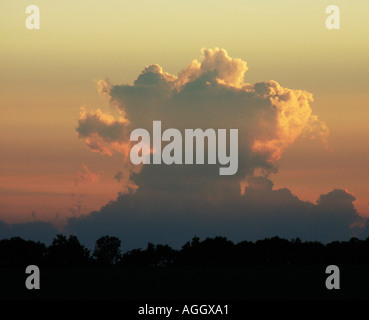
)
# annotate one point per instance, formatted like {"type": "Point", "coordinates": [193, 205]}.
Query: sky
{"type": "Point", "coordinates": [72, 91]}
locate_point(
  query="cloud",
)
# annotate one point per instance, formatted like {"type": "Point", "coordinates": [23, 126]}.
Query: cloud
{"type": "Point", "coordinates": [107, 135]}
{"type": "Point", "coordinates": [292, 118]}
{"type": "Point", "coordinates": [210, 93]}
{"type": "Point", "coordinates": [217, 64]}
{"type": "Point", "coordinates": [180, 200]}
{"type": "Point", "coordinates": [118, 176]}
{"type": "Point", "coordinates": [261, 212]}
{"type": "Point", "coordinates": [102, 132]}
{"type": "Point", "coordinates": [86, 177]}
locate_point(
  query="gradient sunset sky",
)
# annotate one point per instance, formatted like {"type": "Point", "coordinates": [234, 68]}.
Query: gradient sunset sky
{"type": "Point", "coordinates": [49, 174]}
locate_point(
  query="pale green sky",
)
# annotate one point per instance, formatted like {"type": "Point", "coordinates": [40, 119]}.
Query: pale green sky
{"type": "Point", "coordinates": [115, 38]}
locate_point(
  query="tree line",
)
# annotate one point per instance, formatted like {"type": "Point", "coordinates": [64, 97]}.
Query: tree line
{"type": "Point", "coordinates": [219, 251]}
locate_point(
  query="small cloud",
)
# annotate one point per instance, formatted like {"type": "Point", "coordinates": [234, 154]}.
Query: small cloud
{"type": "Point", "coordinates": [118, 176]}
{"type": "Point", "coordinates": [86, 177]}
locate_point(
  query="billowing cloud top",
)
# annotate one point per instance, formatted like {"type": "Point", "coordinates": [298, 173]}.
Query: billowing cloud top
{"type": "Point", "coordinates": [211, 93]}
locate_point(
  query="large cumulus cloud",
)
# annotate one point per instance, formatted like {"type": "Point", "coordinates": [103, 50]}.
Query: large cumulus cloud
{"type": "Point", "coordinates": [172, 203]}
{"type": "Point", "coordinates": [210, 93]}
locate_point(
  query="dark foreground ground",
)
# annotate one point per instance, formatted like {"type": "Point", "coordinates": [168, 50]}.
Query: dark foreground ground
{"type": "Point", "coordinates": [175, 283]}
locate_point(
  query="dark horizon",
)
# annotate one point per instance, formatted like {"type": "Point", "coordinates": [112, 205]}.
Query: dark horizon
{"type": "Point", "coordinates": [214, 268]}
{"type": "Point", "coordinates": [218, 251]}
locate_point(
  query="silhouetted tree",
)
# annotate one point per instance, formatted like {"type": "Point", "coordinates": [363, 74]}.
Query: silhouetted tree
{"type": "Point", "coordinates": [159, 255]}
{"type": "Point", "coordinates": [107, 250]}
{"type": "Point", "coordinates": [164, 255]}
{"type": "Point", "coordinates": [216, 251]}
{"type": "Point", "coordinates": [67, 252]}
{"type": "Point", "coordinates": [134, 257]}
{"type": "Point", "coordinates": [19, 252]}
